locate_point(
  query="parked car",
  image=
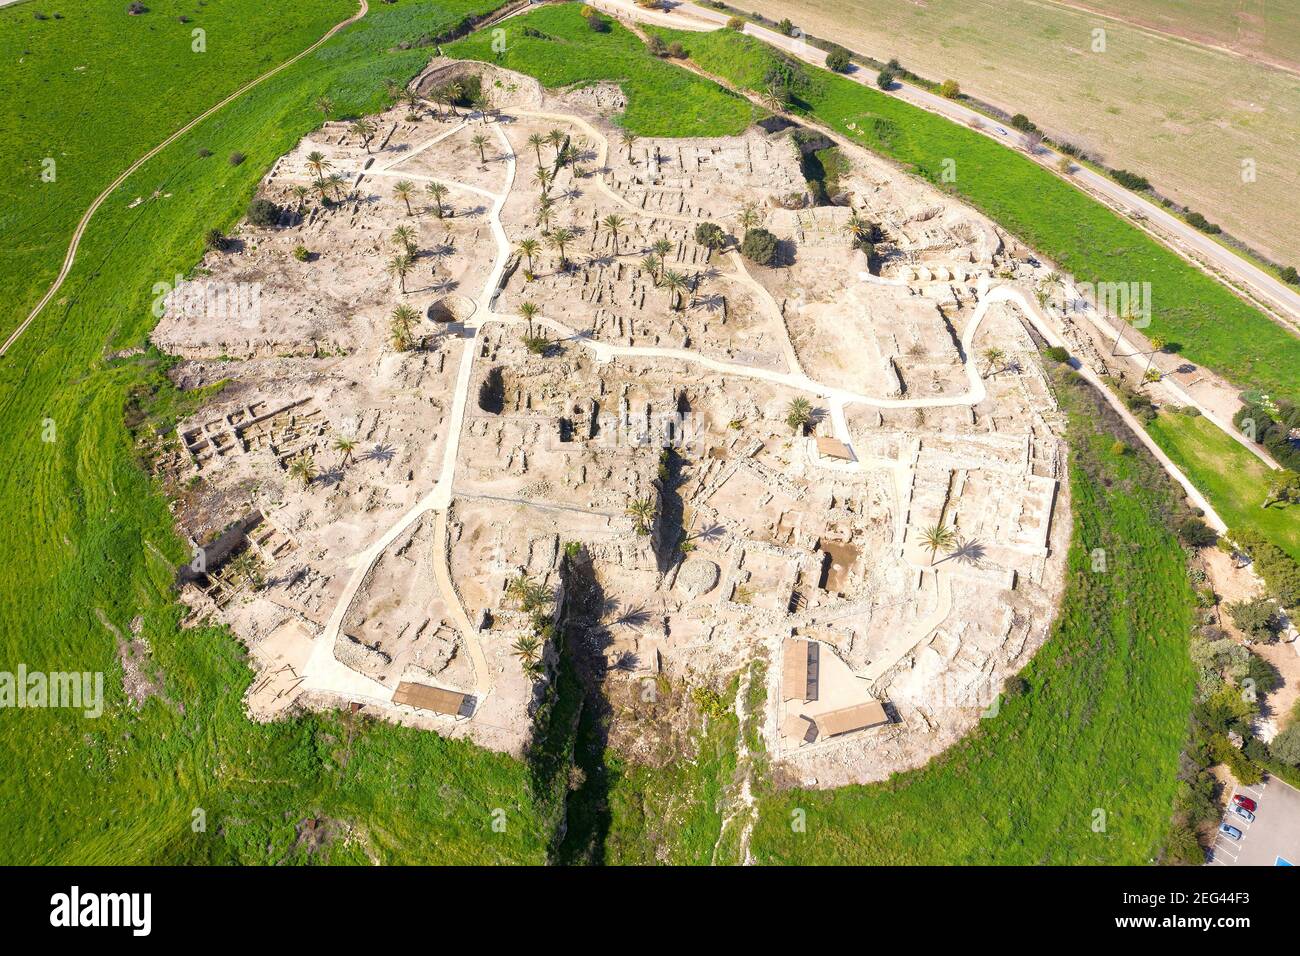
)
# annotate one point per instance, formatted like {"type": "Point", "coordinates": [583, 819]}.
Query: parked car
{"type": "Point", "coordinates": [1243, 813]}
{"type": "Point", "coordinates": [1227, 829]}
{"type": "Point", "coordinates": [1246, 802]}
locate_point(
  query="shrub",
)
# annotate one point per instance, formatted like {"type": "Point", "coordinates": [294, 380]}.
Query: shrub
{"type": "Point", "coordinates": [950, 89]}
{"type": "Point", "coordinates": [1130, 180]}
{"type": "Point", "coordinates": [735, 23]}
{"type": "Point", "coordinates": [301, 253]}
{"type": "Point", "coordinates": [676, 50]}
{"type": "Point", "coordinates": [759, 246]}
{"type": "Point", "coordinates": [1118, 448]}
{"type": "Point", "coordinates": [786, 27]}
{"type": "Point", "coordinates": [1286, 746]}
{"type": "Point", "coordinates": [1197, 221]}
{"type": "Point", "coordinates": [1290, 275]}
{"type": "Point", "coordinates": [1196, 533]}
{"type": "Point", "coordinates": [1057, 353]}
{"type": "Point", "coordinates": [236, 158]}
{"type": "Point", "coordinates": [137, 8]}
{"type": "Point", "coordinates": [1023, 123]}
{"type": "Point", "coordinates": [216, 240]}
{"type": "Point", "coordinates": [263, 212]}
{"type": "Point", "coordinates": [204, 152]}
{"type": "Point", "coordinates": [657, 45]}
{"type": "Point", "coordinates": [1256, 618]}
{"type": "Point", "coordinates": [885, 79]}
{"type": "Point", "coordinates": [837, 59]}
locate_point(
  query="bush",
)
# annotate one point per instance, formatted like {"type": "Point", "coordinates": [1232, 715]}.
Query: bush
{"type": "Point", "coordinates": [204, 152]}
{"type": "Point", "coordinates": [216, 240]}
{"type": "Point", "coordinates": [950, 89]}
{"type": "Point", "coordinates": [301, 253]}
{"type": "Point", "coordinates": [1197, 221]}
{"type": "Point", "coordinates": [1196, 533]}
{"type": "Point", "coordinates": [657, 45]}
{"type": "Point", "coordinates": [735, 23]}
{"type": "Point", "coordinates": [1290, 275]}
{"type": "Point", "coordinates": [236, 158]}
{"type": "Point", "coordinates": [837, 59]}
{"type": "Point", "coordinates": [137, 8]}
{"type": "Point", "coordinates": [786, 27]}
{"type": "Point", "coordinates": [1118, 448]}
{"type": "Point", "coordinates": [1058, 353]}
{"type": "Point", "coordinates": [263, 212]}
{"type": "Point", "coordinates": [1286, 746]}
{"type": "Point", "coordinates": [1280, 572]}
{"type": "Point", "coordinates": [1130, 180]}
{"type": "Point", "coordinates": [676, 50]}
{"type": "Point", "coordinates": [885, 79]}
{"type": "Point", "coordinates": [1256, 618]}
{"type": "Point", "coordinates": [759, 246]}
{"type": "Point", "coordinates": [1023, 123]}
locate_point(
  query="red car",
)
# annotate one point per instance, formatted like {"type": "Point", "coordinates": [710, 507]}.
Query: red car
{"type": "Point", "coordinates": [1244, 802]}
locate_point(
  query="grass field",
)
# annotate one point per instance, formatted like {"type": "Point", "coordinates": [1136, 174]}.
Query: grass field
{"type": "Point", "coordinates": [86, 532]}
{"type": "Point", "coordinates": [1182, 115]}
{"type": "Point", "coordinates": [663, 100]}
{"type": "Point", "coordinates": [1095, 738]}
{"type": "Point", "coordinates": [97, 88]}
{"type": "Point", "coordinates": [1213, 326]}
{"type": "Point", "coordinates": [1234, 480]}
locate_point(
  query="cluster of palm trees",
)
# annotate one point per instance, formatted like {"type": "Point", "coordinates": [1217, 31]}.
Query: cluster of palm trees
{"type": "Point", "coordinates": [555, 138]}
{"type": "Point", "coordinates": [327, 187]}
{"type": "Point", "coordinates": [533, 598]}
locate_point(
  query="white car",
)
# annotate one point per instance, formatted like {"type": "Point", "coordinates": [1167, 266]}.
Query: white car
{"type": "Point", "coordinates": [1243, 813]}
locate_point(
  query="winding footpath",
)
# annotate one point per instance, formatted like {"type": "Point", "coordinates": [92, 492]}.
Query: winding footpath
{"type": "Point", "coordinates": [71, 257]}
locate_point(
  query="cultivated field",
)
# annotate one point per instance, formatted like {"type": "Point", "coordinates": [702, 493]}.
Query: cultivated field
{"type": "Point", "coordinates": [1182, 115]}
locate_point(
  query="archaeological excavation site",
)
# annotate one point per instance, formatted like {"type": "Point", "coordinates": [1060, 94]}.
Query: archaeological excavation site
{"type": "Point", "coordinates": [499, 386]}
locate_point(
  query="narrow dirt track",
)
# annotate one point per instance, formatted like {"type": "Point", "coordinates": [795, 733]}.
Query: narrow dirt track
{"type": "Point", "coordinates": [70, 259]}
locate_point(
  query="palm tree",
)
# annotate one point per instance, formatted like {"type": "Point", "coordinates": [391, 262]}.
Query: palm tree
{"type": "Point", "coordinates": [322, 189]}
{"type": "Point", "coordinates": [438, 98]}
{"type": "Point", "coordinates": [559, 239]}
{"type": "Point", "coordinates": [300, 193]}
{"type": "Point", "coordinates": [437, 191]}
{"type": "Point", "coordinates": [364, 130]}
{"type": "Point", "coordinates": [544, 177]}
{"type": "Point", "coordinates": [556, 138]}
{"type": "Point", "coordinates": [412, 100]}
{"type": "Point", "coordinates": [798, 414]}
{"type": "Point", "coordinates": [661, 248]}
{"type": "Point", "coordinates": [404, 236]}
{"type": "Point", "coordinates": [325, 105]}
{"type": "Point", "coordinates": [613, 223]}
{"type": "Point", "coordinates": [404, 190]}
{"type": "Point", "coordinates": [399, 266]}
{"type": "Point", "coordinates": [857, 227]}
{"type": "Point", "coordinates": [334, 182]}
{"type": "Point", "coordinates": [774, 97]}
{"type": "Point", "coordinates": [527, 648]}
{"type": "Point", "coordinates": [545, 212]}
{"type": "Point", "coordinates": [454, 91]}
{"type": "Point", "coordinates": [480, 141]}
{"type": "Point", "coordinates": [529, 248]}
{"type": "Point", "coordinates": [940, 537]}
{"type": "Point", "coordinates": [651, 265]}
{"type": "Point", "coordinates": [675, 283]}
{"type": "Point", "coordinates": [405, 317]}
{"type": "Point", "coordinates": [642, 512]}
{"type": "Point", "coordinates": [994, 356]}
{"type": "Point", "coordinates": [304, 469]}
{"type": "Point", "coordinates": [537, 141]}
{"type": "Point", "coordinates": [347, 446]}
{"type": "Point", "coordinates": [530, 594]}
{"type": "Point", "coordinates": [528, 310]}
{"type": "Point", "coordinates": [749, 216]}
{"type": "Point", "coordinates": [317, 163]}
{"type": "Point", "coordinates": [629, 139]}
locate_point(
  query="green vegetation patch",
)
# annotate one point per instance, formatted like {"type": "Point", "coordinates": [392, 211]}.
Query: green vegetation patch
{"type": "Point", "coordinates": [557, 46]}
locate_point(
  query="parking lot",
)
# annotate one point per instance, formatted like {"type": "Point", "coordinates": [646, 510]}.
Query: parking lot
{"type": "Point", "coordinates": [1272, 839]}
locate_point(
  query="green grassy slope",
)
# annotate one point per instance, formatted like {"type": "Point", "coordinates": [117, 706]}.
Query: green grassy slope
{"type": "Point", "coordinates": [663, 100]}
{"type": "Point", "coordinates": [1235, 481]}
{"type": "Point", "coordinates": [97, 88]}
{"type": "Point", "coordinates": [85, 529]}
{"type": "Point", "coordinates": [1099, 728]}
{"type": "Point", "coordinates": [1214, 327]}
